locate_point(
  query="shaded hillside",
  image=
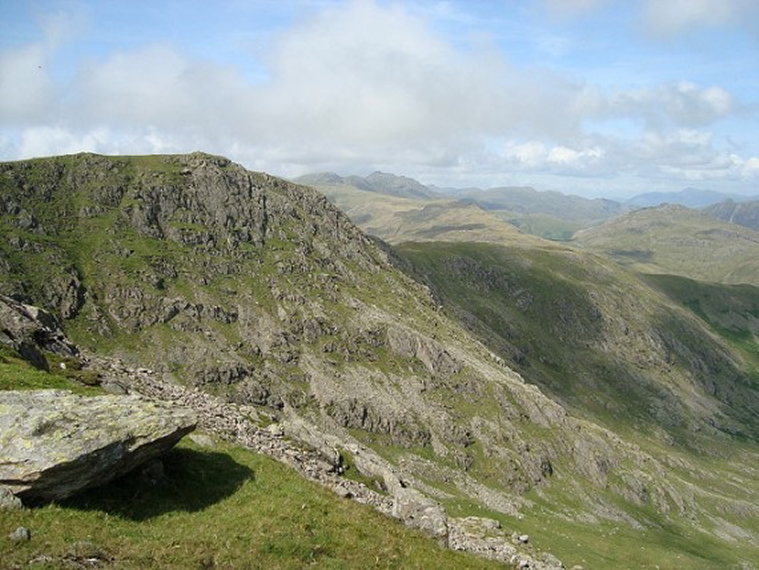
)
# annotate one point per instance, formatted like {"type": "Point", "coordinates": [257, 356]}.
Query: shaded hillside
{"type": "Point", "coordinates": [595, 338]}
{"type": "Point", "coordinates": [679, 241]}
{"type": "Point", "coordinates": [741, 213]}
{"type": "Point", "coordinates": [262, 292]}
{"type": "Point", "coordinates": [731, 311]}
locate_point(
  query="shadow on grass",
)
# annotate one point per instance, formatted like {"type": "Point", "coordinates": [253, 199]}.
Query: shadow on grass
{"type": "Point", "coordinates": [194, 480]}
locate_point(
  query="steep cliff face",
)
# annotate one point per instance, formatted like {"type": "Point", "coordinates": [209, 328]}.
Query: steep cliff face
{"type": "Point", "coordinates": [260, 291]}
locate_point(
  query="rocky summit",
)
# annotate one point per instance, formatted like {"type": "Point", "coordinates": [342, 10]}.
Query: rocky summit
{"type": "Point", "coordinates": [54, 443]}
{"type": "Point", "coordinates": [261, 294]}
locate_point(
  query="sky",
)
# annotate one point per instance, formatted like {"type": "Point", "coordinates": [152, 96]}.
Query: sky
{"type": "Point", "coordinates": [592, 97]}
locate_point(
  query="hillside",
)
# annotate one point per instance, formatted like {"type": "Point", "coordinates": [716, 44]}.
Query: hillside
{"type": "Point", "coordinates": [679, 241]}
{"type": "Point", "coordinates": [396, 220]}
{"type": "Point", "coordinates": [548, 214]}
{"type": "Point", "coordinates": [730, 311]}
{"type": "Point", "coordinates": [261, 292]}
{"type": "Point", "coordinates": [741, 213]}
{"type": "Point", "coordinates": [195, 516]}
{"type": "Point", "coordinates": [595, 338]}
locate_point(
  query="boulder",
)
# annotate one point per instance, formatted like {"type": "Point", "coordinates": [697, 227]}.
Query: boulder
{"type": "Point", "coordinates": [54, 443]}
{"type": "Point", "coordinates": [419, 511]}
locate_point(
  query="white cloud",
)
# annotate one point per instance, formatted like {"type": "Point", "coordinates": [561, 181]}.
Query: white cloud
{"type": "Point", "coordinates": [534, 156]}
{"type": "Point", "coordinates": [362, 84]}
{"type": "Point", "coordinates": [670, 17]}
{"type": "Point", "coordinates": [682, 104]}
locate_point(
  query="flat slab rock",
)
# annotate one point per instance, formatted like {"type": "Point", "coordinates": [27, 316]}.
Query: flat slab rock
{"type": "Point", "coordinates": [54, 443]}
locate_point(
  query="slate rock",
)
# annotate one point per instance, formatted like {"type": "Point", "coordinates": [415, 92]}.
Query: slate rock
{"type": "Point", "coordinates": [54, 443]}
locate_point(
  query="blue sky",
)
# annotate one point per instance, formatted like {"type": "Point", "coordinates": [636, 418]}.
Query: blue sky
{"type": "Point", "coordinates": [593, 97]}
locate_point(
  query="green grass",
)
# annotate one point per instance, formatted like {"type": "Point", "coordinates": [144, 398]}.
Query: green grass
{"type": "Point", "coordinates": [221, 508]}
{"type": "Point", "coordinates": [17, 374]}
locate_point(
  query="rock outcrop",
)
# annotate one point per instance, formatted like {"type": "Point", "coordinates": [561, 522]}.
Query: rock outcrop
{"type": "Point", "coordinates": [54, 443]}
{"type": "Point", "coordinates": [31, 331]}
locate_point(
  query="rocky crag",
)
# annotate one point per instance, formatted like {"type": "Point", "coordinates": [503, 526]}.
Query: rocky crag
{"type": "Point", "coordinates": [259, 292]}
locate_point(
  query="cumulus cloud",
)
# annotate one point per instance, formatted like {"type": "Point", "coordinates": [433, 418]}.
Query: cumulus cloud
{"type": "Point", "coordinates": [369, 73]}
{"type": "Point", "coordinates": [536, 156]}
{"type": "Point", "coordinates": [688, 155]}
{"type": "Point", "coordinates": [361, 80]}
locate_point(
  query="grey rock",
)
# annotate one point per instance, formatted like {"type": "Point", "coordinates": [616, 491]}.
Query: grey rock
{"type": "Point", "coordinates": [419, 511]}
{"type": "Point", "coordinates": [9, 501]}
{"type": "Point", "coordinates": [21, 534]}
{"type": "Point", "coordinates": [435, 358]}
{"type": "Point", "coordinates": [54, 443]}
{"type": "Point", "coordinates": [31, 331]}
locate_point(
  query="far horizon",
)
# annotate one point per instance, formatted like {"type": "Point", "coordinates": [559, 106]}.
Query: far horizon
{"type": "Point", "coordinates": [449, 190]}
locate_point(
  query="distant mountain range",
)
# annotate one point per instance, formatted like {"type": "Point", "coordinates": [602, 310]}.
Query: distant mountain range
{"type": "Point", "coordinates": [690, 197]}
{"type": "Point", "coordinates": [380, 182]}
{"type": "Point", "coordinates": [548, 214]}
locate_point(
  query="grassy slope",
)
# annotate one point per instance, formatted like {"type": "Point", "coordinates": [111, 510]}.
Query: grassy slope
{"type": "Point", "coordinates": [224, 508]}
{"type": "Point", "coordinates": [679, 241]}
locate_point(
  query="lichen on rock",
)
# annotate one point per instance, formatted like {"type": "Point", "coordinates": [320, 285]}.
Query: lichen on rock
{"type": "Point", "coordinates": [54, 443]}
